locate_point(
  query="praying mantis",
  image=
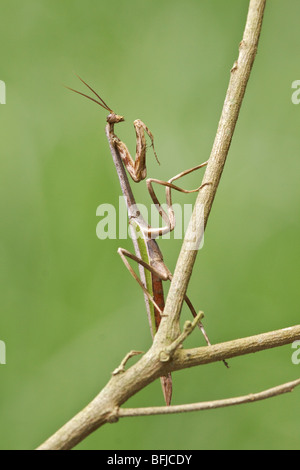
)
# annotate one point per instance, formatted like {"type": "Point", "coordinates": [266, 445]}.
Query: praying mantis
{"type": "Point", "coordinates": [153, 271]}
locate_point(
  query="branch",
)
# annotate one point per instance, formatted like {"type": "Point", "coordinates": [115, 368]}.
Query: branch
{"type": "Point", "coordinates": [209, 405]}
{"type": "Point", "coordinates": [185, 358]}
{"type": "Point", "coordinates": [105, 407]}
{"type": "Point", "coordinates": [123, 385]}
{"type": "Point", "coordinates": [239, 77]}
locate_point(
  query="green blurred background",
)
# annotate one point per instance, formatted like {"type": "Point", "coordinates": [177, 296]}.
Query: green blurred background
{"type": "Point", "coordinates": [69, 309]}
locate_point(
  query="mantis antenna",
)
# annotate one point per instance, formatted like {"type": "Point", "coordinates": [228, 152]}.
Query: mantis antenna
{"type": "Point", "coordinates": [101, 102]}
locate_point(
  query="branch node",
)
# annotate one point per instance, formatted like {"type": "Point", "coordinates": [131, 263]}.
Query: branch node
{"type": "Point", "coordinates": [164, 356]}
{"type": "Point", "coordinates": [234, 67]}
{"type": "Point", "coordinates": [113, 417]}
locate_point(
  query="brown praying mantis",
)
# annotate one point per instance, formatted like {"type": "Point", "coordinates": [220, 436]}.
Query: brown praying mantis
{"type": "Point", "coordinates": [152, 268]}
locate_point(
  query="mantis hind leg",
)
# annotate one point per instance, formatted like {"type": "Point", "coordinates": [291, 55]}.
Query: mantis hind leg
{"type": "Point", "coordinates": [190, 305]}
{"type": "Point", "coordinates": [200, 324]}
{"type": "Point", "coordinates": [126, 254]}
{"type": "Point", "coordinates": [166, 381]}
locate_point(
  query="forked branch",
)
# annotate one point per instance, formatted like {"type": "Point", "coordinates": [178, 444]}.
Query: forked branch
{"type": "Point", "coordinates": [106, 405]}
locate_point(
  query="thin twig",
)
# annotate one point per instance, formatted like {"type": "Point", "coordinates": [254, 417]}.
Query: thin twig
{"type": "Point", "coordinates": [209, 405]}
{"type": "Point", "coordinates": [121, 367]}
{"type": "Point", "coordinates": [188, 328]}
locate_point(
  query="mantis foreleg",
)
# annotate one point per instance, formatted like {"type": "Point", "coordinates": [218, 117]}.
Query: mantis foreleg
{"type": "Point", "coordinates": [136, 168]}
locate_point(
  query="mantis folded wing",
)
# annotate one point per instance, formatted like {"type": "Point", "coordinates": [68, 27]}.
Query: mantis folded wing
{"type": "Point", "coordinates": [148, 255]}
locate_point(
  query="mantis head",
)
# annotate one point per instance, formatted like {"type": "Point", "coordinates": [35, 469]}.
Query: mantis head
{"type": "Point", "coordinates": [112, 118]}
